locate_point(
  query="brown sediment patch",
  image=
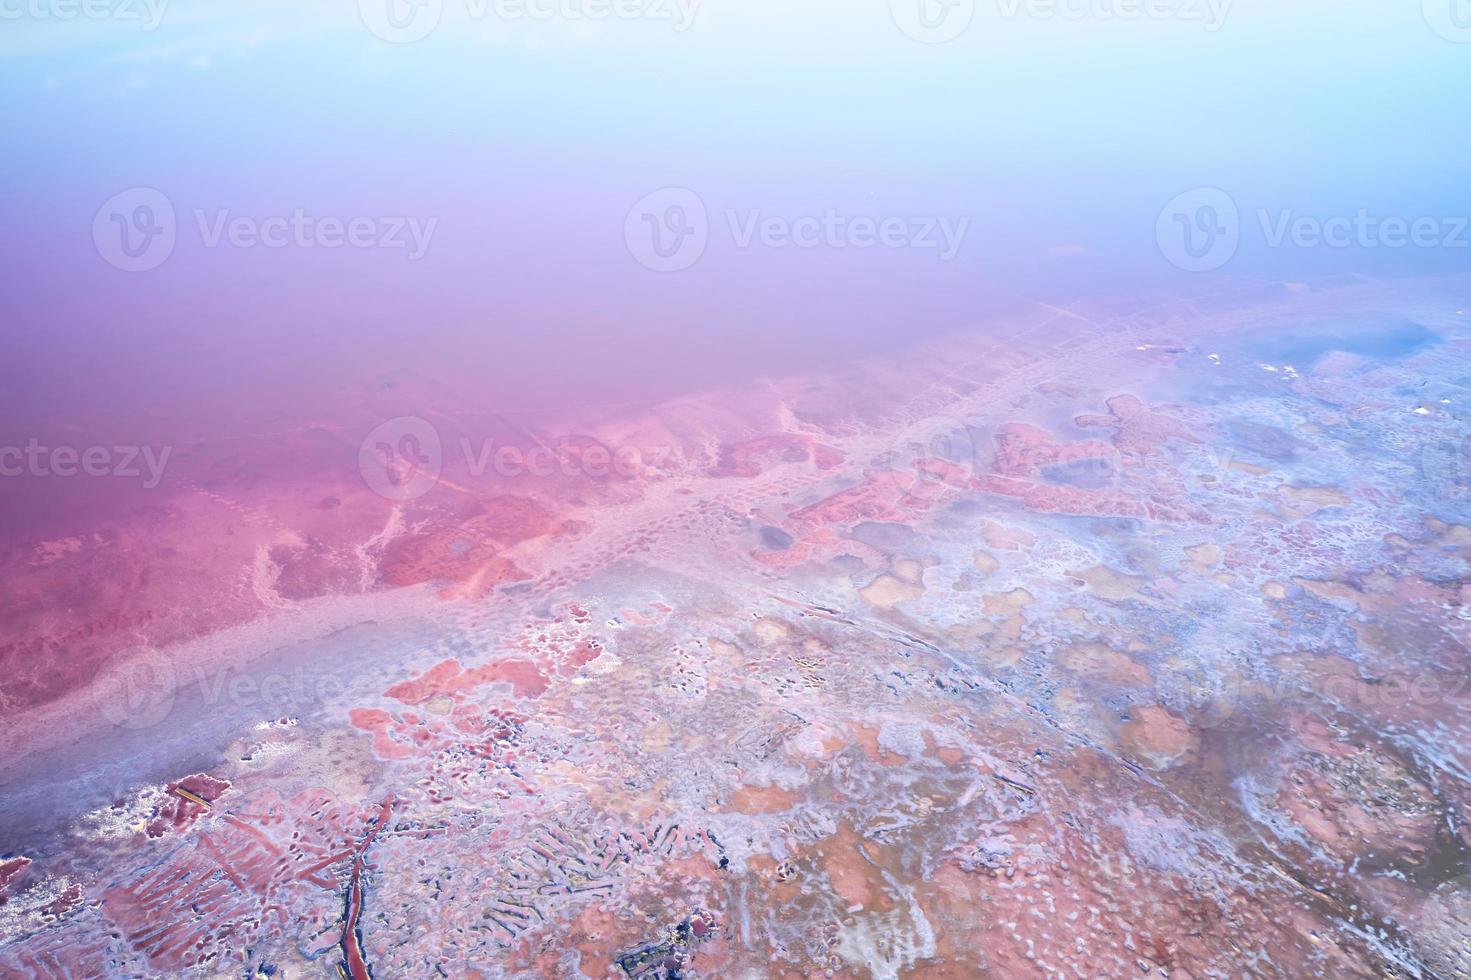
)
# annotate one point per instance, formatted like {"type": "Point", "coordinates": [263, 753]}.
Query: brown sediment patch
{"type": "Point", "coordinates": [755, 800]}
{"type": "Point", "coordinates": [903, 584]}
{"type": "Point", "coordinates": [1329, 590]}
{"type": "Point", "coordinates": [594, 933]}
{"type": "Point", "coordinates": [970, 634]}
{"type": "Point", "coordinates": [1002, 655]}
{"type": "Point", "coordinates": [868, 739]}
{"type": "Point", "coordinates": [1077, 711]}
{"type": "Point", "coordinates": [948, 754]}
{"type": "Point", "coordinates": [1204, 556]}
{"type": "Point", "coordinates": [909, 570]}
{"type": "Point", "coordinates": [984, 562]}
{"type": "Point", "coordinates": [1358, 802]}
{"type": "Point", "coordinates": [1158, 738]}
{"type": "Point", "coordinates": [1007, 603]}
{"type": "Point", "coordinates": [771, 630]}
{"type": "Point", "coordinates": [1091, 911]}
{"type": "Point", "coordinates": [953, 901]}
{"type": "Point", "coordinates": [1109, 583]}
{"type": "Point", "coordinates": [1339, 682]}
{"type": "Point", "coordinates": [720, 648]}
{"type": "Point", "coordinates": [886, 591]}
{"type": "Point", "coordinates": [1010, 605]}
{"type": "Point", "coordinates": [1443, 928]}
{"type": "Point", "coordinates": [725, 667]}
{"type": "Point", "coordinates": [1003, 537]}
{"type": "Point", "coordinates": [999, 639]}
{"type": "Point", "coordinates": [1303, 501]}
{"type": "Point", "coordinates": [848, 864]}
{"type": "Point", "coordinates": [816, 646]}
{"type": "Point", "coordinates": [1452, 535]}
{"type": "Point", "coordinates": [1099, 660]}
